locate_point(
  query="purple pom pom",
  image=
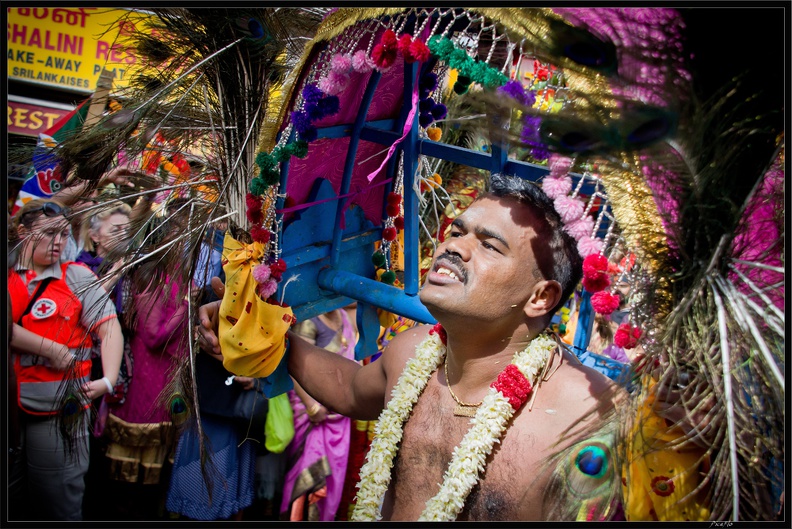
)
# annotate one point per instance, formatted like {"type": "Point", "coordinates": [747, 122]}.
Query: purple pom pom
{"type": "Point", "coordinates": [425, 119]}
{"type": "Point", "coordinates": [311, 93]}
{"type": "Point", "coordinates": [439, 111]}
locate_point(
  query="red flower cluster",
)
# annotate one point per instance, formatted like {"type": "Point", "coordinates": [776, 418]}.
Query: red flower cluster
{"type": "Point", "coordinates": [627, 336]}
{"type": "Point", "coordinates": [595, 273]}
{"type": "Point", "coordinates": [604, 303]}
{"type": "Point", "coordinates": [513, 385]}
{"type": "Point", "coordinates": [438, 330]}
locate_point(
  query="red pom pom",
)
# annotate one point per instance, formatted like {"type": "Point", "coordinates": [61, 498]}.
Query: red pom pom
{"type": "Point", "coordinates": [398, 223]}
{"type": "Point", "coordinates": [627, 336]}
{"type": "Point", "coordinates": [279, 265]}
{"type": "Point", "coordinates": [259, 234]}
{"type": "Point", "coordinates": [596, 284]}
{"type": "Point", "coordinates": [383, 57]}
{"type": "Point", "coordinates": [419, 50]}
{"type": "Point", "coordinates": [394, 198]}
{"type": "Point", "coordinates": [392, 210]}
{"type": "Point", "coordinates": [513, 385]}
{"type": "Point", "coordinates": [389, 234]}
{"type": "Point", "coordinates": [438, 330]}
{"type": "Point", "coordinates": [595, 266]}
{"type": "Point", "coordinates": [389, 39]}
{"type": "Point", "coordinates": [604, 302]}
{"type": "Point", "coordinates": [403, 45]}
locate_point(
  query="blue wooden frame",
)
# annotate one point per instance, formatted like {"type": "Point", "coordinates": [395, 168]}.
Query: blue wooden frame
{"type": "Point", "coordinates": [321, 261]}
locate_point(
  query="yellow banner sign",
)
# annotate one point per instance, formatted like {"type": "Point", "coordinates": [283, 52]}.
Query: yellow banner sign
{"type": "Point", "coordinates": [69, 47]}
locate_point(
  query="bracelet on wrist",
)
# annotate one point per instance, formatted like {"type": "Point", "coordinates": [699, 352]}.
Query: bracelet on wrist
{"type": "Point", "coordinates": [108, 384]}
{"type": "Point", "coordinates": [313, 410]}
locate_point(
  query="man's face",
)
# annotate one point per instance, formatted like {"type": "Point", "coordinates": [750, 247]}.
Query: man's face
{"type": "Point", "coordinates": [485, 266]}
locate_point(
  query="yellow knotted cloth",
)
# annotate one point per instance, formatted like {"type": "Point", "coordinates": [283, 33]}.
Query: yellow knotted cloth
{"type": "Point", "coordinates": [252, 332]}
{"type": "Point", "coordinates": [663, 480]}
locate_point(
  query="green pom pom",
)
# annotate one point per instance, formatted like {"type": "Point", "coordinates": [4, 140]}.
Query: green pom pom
{"type": "Point", "coordinates": [282, 154]}
{"type": "Point", "coordinates": [300, 148]}
{"type": "Point", "coordinates": [459, 60]}
{"type": "Point", "coordinates": [493, 78]}
{"type": "Point", "coordinates": [257, 186]}
{"type": "Point", "coordinates": [441, 46]}
{"type": "Point", "coordinates": [270, 177]}
{"type": "Point", "coordinates": [265, 161]}
{"type": "Point", "coordinates": [378, 259]}
{"type": "Point", "coordinates": [388, 277]}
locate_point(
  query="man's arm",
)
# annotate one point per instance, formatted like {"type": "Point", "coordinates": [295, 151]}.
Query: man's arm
{"type": "Point", "coordinates": [338, 383]}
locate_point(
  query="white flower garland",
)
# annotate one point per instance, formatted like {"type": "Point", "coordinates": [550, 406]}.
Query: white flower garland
{"type": "Point", "coordinates": [468, 459]}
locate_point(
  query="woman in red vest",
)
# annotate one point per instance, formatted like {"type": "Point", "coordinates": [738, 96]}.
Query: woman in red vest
{"type": "Point", "coordinates": [61, 303]}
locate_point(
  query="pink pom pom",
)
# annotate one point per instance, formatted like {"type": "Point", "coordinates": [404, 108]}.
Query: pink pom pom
{"type": "Point", "coordinates": [559, 165]}
{"type": "Point", "coordinates": [569, 208]}
{"type": "Point", "coordinates": [627, 336]}
{"type": "Point", "coordinates": [580, 228]}
{"type": "Point", "coordinates": [334, 83]}
{"type": "Point", "coordinates": [341, 63]}
{"type": "Point", "coordinates": [604, 303]}
{"type": "Point", "coordinates": [361, 62]}
{"type": "Point", "coordinates": [557, 187]}
{"type": "Point", "coordinates": [261, 273]}
{"type": "Point", "coordinates": [589, 245]}
{"type": "Point", "coordinates": [267, 288]}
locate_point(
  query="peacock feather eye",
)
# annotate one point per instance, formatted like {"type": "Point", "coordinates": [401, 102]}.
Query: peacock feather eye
{"type": "Point", "coordinates": [179, 411]}
{"type": "Point", "coordinates": [583, 48]}
{"type": "Point", "coordinates": [252, 28]}
{"type": "Point", "coordinates": [592, 461]}
{"type": "Point", "coordinates": [572, 136]}
{"type": "Point", "coordinates": [643, 126]}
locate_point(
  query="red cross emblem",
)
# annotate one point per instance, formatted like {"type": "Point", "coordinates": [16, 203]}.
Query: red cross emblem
{"type": "Point", "coordinates": [43, 308]}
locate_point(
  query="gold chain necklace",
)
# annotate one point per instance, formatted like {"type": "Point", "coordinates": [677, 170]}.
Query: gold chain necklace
{"type": "Point", "coordinates": [462, 409]}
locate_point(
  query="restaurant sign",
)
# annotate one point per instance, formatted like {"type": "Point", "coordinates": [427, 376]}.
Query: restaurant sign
{"type": "Point", "coordinates": [28, 118]}
{"type": "Point", "coordinates": [69, 47]}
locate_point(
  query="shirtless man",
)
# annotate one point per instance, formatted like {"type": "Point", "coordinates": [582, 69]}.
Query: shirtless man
{"type": "Point", "coordinates": [494, 285]}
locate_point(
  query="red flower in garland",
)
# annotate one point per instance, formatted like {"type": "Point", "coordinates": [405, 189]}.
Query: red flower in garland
{"type": "Point", "coordinates": [662, 486]}
{"type": "Point", "coordinates": [513, 385]}
{"type": "Point", "coordinates": [439, 331]}
{"type": "Point", "coordinates": [627, 336]}
{"type": "Point", "coordinates": [604, 303]}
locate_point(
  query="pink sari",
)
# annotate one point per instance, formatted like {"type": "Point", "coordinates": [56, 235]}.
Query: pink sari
{"type": "Point", "coordinates": [318, 453]}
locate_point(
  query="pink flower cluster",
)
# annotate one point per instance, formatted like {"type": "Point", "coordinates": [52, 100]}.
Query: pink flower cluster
{"type": "Point", "coordinates": [627, 336]}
